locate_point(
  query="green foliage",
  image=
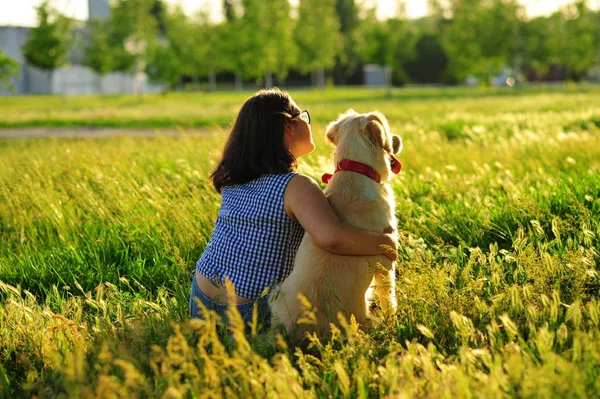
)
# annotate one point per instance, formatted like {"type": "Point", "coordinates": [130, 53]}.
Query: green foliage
{"type": "Point", "coordinates": [232, 9]}
{"type": "Point", "coordinates": [430, 60]}
{"type": "Point", "coordinates": [259, 43]}
{"type": "Point", "coordinates": [317, 35]}
{"type": "Point", "coordinates": [379, 41]}
{"type": "Point", "coordinates": [572, 39]}
{"type": "Point", "coordinates": [389, 43]}
{"type": "Point", "coordinates": [497, 283]}
{"type": "Point", "coordinates": [348, 57]}
{"type": "Point", "coordinates": [242, 36]}
{"type": "Point", "coordinates": [208, 55]}
{"type": "Point", "coordinates": [596, 19]}
{"type": "Point", "coordinates": [259, 39]}
{"type": "Point", "coordinates": [98, 50]}
{"type": "Point", "coordinates": [8, 69]}
{"type": "Point", "coordinates": [165, 66]}
{"type": "Point", "coordinates": [127, 41]}
{"type": "Point", "coordinates": [537, 43]}
{"type": "Point", "coordinates": [480, 37]}
{"type": "Point", "coordinates": [280, 44]}
{"type": "Point", "coordinates": [48, 45]}
{"type": "Point", "coordinates": [191, 47]}
{"type": "Point", "coordinates": [251, 37]}
{"type": "Point", "coordinates": [176, 57]}
{"type": "Point", "coordinates": [132, 32]}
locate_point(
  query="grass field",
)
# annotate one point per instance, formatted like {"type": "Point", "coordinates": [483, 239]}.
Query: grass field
{"type": "Point", "coordinates": [498, 206]}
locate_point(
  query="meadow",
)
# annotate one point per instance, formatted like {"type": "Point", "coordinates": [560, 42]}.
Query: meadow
{"type": "Point", "coordinates": [498, 208]}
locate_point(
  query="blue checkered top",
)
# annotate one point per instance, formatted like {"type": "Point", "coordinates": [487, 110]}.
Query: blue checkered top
{"type": "Point", "coordinates": [254, 241]}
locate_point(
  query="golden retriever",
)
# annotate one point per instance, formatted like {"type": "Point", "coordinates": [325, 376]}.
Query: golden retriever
{"type": "Point", "coordinates": [336, 283]}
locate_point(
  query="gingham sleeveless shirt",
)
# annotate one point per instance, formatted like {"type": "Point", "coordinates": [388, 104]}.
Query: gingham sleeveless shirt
{"type": "Point", "coordinates": [254, 241]}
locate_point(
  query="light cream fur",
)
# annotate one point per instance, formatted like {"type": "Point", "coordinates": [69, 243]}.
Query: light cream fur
{"type": "Point", "coordinates": [336, 283]}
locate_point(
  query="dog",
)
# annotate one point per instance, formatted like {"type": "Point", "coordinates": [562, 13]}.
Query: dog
{"type": "Point", "coordinates": [361, 195]}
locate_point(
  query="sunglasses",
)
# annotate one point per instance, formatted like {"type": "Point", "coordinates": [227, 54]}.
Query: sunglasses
{"type": "Point", "coordinates": [304, 115]}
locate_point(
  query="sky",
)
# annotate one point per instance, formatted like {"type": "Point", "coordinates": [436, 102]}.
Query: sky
{"type": "Point", "coordinates": [22, 12]}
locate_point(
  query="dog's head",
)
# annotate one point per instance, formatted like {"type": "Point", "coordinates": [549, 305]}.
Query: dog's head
{"type": "Point", "coordinates": [365, 138]}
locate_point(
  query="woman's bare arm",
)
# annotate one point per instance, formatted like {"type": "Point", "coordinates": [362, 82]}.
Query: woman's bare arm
{"type": "Point", "coordinates": [305, 202]}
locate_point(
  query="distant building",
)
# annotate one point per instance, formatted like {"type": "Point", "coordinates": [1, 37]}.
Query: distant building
{"type": "Point", "coordinates": [12, 38]}
{"type": "Point", "coordinates": [375, 75]}
{"type": "Point", "coordinates": [98, 9]}
{"type": "Point", "coordinates": [75, 78]}
{"type": "Point", "coordinates": [594, 74]}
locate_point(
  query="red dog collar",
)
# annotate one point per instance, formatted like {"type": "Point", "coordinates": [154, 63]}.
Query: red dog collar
{"type": "Point", "coordinates": [363, 169]}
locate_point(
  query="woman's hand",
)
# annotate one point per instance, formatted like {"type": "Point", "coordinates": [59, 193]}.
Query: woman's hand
{"type": "Point", "coordinates": [391, 249]}
{"type": "Point", "coordinates": [390, 230]}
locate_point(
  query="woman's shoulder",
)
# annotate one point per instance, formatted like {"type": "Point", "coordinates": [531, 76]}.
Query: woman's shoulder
{"type": "Point", "coordinates": [268, 182]}
{"type": "Point", "coordinates": [301, 183]}
{"type": "Point", "coordinates": [299, 190]}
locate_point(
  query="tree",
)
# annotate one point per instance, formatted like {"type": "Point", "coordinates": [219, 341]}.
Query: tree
{"type": "Point", "coordinates": [596, 19]}
{"type": "Point", "coordinates": [257, 41]}
{"type": "Point", "coordinates": [481, 36]}
{"type": "Point", "coordinates": [48, 44]}
{"type": "Point", "coordinates": [125, 42]}
{"type": "Point", "coordinates": [318, 38]}
{"type": "Point", "coordinates": [98, 53]}
{"type": "Point", "coordinates": [537, 44]}
{"type": "Point", "coordinates": [232, 10]}
{"type": "Point", "coordinates": [130, 21]}
{"type": "Point", "coordinates": [210, 57]}
{"type": "Point", "coordinates": [8, 69]}
{"type": "Point", "coordinates": [389, 44]}
{"type": "Point", "coordinates": [430, 60]}
{"type": "Point", "coordinates": [106, 49]}
{"type": "Point", "coordinates": [252, 38]}
{"type": "Point", "coordinates": [348, 58]}
{"type": "Point", "coordinates": [173, 57]}
{"type": "Point", "coordinates": [576, 47]}
{"type": "Point", "coordinates": [191, 48]}
{"type": "Point", "coordinates": [281, 51]}
{"type": "Point", "coordinates": [242, 39]}
{"type": "Point", "coordinates": [158, 12]}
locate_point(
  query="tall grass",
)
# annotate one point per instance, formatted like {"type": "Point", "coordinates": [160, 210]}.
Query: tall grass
{"type": "Point", "coordinates": [448, 107]}
{"type": "Point", "coordinates": [498, 206]}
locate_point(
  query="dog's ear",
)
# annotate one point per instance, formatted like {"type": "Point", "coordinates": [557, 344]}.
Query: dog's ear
{"type": "Point", "coordinates": [377, 129]}
{"type": "Point", "coordinates": [333, 133]}
{"type": "Point", "coordinates": [396, 144]}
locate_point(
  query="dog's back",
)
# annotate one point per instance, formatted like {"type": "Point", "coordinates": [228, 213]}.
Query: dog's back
{"type": "Point", "coordinates": [336, 283]}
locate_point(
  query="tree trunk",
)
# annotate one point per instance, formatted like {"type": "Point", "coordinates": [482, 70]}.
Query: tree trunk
{"type": "Point", "coordinates": [238, 82]}
{"type": "Point", "coordinates": [388, 81]}
{"type": "Point", "coordinates": [140, 86]}
{"type": "Point", "coordinates": [268, 79]}
{"type": "Point", "coordinates": [321, 77]}
{"type": "Point", "coordinates": [63, 90]}
{"type": "Point", "coordinates": [212, 80]}
{"type": "Point", "coordinates": [195, 83]}
{"type": "Point", "coordinates": [517, 71]}
{"type": "Point", "coordinates": [50, 85]}
{"type": "Point", "coordinates": [99, 85]}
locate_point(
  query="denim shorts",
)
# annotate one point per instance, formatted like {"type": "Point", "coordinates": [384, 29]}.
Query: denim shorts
{"type": "Point", "coordinates": [245, 309]}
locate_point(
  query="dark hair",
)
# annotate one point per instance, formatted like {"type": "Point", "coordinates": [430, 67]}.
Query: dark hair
{"type": "Point", "coordinates": [255, 144]}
